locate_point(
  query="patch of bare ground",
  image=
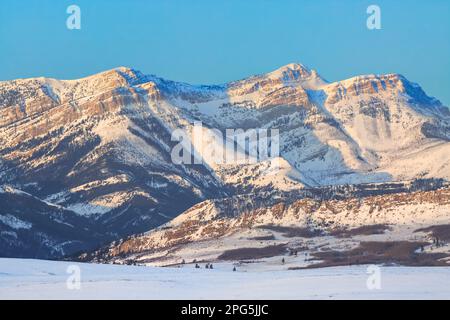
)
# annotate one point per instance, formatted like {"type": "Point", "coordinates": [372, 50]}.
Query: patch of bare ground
{"type": "Point", "coordinates": [291, 232]}
{"type": "Point", "coordinates": [253, 253]}
{"type": "Point", "coordinates": [373, 252]}
{"type": "Point", "coordinates": [442, 232]}
{"type": "Point", "coordinates": [299, 248]}
{"type": "Point", "coordinates": [360, 231]}
{"type": "Point", "coordinates": [263, 238]}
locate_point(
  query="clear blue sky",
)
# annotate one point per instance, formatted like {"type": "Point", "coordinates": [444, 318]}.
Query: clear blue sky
{"type": "Point", "coordinates": [211, 41]}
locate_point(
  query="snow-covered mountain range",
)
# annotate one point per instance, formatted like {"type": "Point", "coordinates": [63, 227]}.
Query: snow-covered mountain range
{"type": "Point", "coordinates": [95, 153]}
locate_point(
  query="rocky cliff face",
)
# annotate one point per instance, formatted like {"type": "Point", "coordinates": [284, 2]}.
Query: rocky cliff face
{"type": "Point", "coordinates": [100, 147]}
{"type": "Point", "coordinates": [214, 229]}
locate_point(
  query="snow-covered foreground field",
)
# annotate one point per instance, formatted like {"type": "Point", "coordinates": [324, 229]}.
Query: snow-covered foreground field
{"type": "Point", "coordinates": [38, 279]}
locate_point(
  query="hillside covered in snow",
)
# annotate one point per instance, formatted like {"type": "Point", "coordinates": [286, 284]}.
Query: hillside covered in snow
{"type": "Point", "coordinates": [85, 162]}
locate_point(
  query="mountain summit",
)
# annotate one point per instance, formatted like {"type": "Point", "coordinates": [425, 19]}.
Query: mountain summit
{"type": "Point", "coordinates": [96, 152]}
{"type": "Point", "coordinates": [294, 72]}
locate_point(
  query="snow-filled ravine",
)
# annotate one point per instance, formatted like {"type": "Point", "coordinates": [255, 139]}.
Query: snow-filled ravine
{"type": "Point", "coordinates": [39, 279]}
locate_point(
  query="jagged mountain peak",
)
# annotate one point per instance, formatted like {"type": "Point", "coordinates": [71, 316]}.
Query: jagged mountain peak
{"type": "Point", "coordinates": [132, 75]}
{"type": "Point", "coordinates": [386, 80]}
{"type": "Point", "coordinates": [294, 66]}
{"type": "Point", "coordinates": [292, 72]}
{"type": "Point", "coordinates": [119, 76]}
{"type": "Point", "coordinates": [392, 85]}
{"type": "Point", "coordinates": [101, 145]}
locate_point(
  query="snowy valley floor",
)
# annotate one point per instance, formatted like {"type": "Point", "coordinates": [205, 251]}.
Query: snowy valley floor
{"type": "Point", "coordinates": [39, 279]}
